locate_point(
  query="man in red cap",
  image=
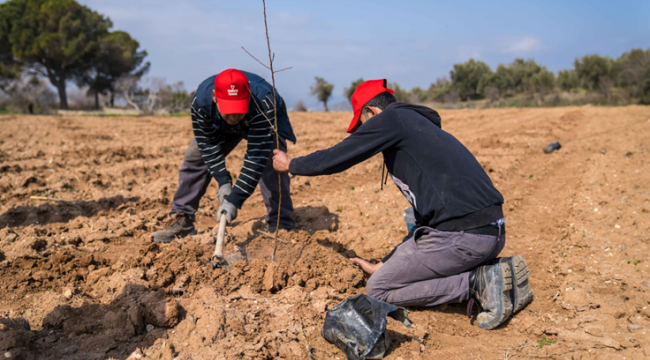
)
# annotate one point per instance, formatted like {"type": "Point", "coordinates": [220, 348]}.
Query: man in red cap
{"type": "Point", "coordinates": [451, 253]}
{"type": "Point", "coordinates": [227, 108]}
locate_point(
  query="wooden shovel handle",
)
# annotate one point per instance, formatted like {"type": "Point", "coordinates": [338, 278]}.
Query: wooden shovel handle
{"type": "Point", "coordinates": [218, 251]}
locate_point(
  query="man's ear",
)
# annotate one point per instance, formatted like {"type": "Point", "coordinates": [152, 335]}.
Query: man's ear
{"type": "Point", "coordinates": [214, 96]}
{"type": "Point", "coordinates": [370, 111]}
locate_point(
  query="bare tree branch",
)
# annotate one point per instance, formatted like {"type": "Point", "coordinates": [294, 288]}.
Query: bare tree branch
{"type": "Point", "coordinates": [275, 117]}
{"type": "Point", "coordinates": [256, 59]}
{"type": "Point", "coordinates": [277, 134]}
{"type": "Point", "coordinates": [263, 113]}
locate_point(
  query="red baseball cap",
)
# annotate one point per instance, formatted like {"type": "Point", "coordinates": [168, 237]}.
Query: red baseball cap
{"type": "Point", "coordinates": [232, 90]}
{"type": "Point", "coordinates": [364, 93]}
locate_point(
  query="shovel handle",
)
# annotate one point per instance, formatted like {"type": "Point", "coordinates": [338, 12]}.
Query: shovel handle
{"type": "Point", "coordinates": [218, 251]}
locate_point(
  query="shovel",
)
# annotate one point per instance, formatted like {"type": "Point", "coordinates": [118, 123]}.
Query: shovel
{"type": "Point", "coordinates": [218, 260]}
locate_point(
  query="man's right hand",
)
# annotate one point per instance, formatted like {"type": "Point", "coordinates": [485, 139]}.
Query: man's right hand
{"type": "Point", "coordinates": [224, 190]}
{"type": "Point", "coordinates": [366, 266]}
{"type": "Point", "coordinates": [229, 209]}
{"type": "Point", "coordinates": [281, 161]}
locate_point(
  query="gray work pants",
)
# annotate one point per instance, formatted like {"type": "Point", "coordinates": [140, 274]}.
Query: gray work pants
{"type": "Point", "coordinates": [194, 179]}
{"type": "Point", "coordinates": [432, 267]}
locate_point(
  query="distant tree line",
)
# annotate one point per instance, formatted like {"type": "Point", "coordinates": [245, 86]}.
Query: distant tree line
{"type": "Point", "coordinates": [63, 41]}
{"type": "Point", "coordinates": [622, 80]}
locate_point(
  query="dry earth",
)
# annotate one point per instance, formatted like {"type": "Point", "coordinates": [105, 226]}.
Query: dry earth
{"type": "Point", "coordinates": [82, 279]}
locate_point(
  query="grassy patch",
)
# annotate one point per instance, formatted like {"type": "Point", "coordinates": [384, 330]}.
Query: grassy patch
{"type": "Point", "coordinates": [67, 186]}
{"type": "Point", "coordinates": [543, 341]}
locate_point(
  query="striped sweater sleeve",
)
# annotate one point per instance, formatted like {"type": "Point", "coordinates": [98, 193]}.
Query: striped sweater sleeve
{"type": "Point", "coordinates": [261, 139]}
{"type": "Point", "coordinates": [209, 142]}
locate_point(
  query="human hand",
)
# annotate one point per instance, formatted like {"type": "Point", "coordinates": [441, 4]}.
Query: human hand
{"type": "Point", "coordinates": [224, 190]}
{"type": "Point", "coordinates": [367, 266]}
{"type": "Point", "coordinates": [229, 209]}
{"type": "Point", "coordinates": [281, 161]}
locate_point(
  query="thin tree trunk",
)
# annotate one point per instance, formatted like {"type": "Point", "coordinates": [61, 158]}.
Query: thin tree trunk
{"type": "Point", "coordinates": [63, 97]}
{"type": "Point", "coordinates": [325, 104]}
{"type": "Point", "coordinates": [112, 99]}
{"type": "Point", "coordinates": [96, 100]}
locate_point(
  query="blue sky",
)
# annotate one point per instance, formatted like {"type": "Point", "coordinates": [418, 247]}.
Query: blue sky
{"type": "Point", "coordinates": [408, 42]}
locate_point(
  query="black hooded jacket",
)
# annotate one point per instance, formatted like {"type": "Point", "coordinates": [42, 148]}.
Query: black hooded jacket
{"type": "Point", "coordinates": [442, 180]}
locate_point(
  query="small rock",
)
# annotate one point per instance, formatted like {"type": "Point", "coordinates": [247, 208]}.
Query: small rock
{"type": "Point", "coordinates": [619, 314]}
{"type": "Point", "coordinates": [67, 294]}
{"type": "Point", "coordinates": [552, 147]}
{"type": "Point", "coordinates": [69, 350]}
{"type": "Point", "coordinates": [50, 339]}
{"type": "Point", "coordinates": [8, 355]}
{"type": "Point", "coordinates": [11, 237]}
{"type": "Point", "coordinates": [150, 328]}
{"type": "Point", "coordinates": [632, 327]}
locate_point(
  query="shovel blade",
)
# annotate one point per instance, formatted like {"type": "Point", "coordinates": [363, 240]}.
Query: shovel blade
{"type": "Point", "coordinates": [219, 262]}
{"type": "Point", "coordinates": [225, 262]}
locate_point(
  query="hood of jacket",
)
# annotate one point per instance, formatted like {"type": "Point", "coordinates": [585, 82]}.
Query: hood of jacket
{"type": "Point", "coordinates": [428, 113]}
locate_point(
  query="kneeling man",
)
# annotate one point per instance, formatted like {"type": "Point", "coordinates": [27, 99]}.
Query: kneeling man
{"type": "Point", "coordinates": [451, 254]}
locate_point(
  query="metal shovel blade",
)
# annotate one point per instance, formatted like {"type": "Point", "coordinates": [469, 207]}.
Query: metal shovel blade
{"type": "Point", "coordinates": [219, 262]}
{"type": "Point", "coordinates": [225, 262]}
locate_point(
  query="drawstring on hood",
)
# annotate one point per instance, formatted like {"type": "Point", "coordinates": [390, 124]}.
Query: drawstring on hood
{"type": "Point", "coordinates": [383, 179]}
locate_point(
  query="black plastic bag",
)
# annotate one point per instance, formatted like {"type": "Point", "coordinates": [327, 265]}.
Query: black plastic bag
{"type": "Point", "coordinates": [357, 326]}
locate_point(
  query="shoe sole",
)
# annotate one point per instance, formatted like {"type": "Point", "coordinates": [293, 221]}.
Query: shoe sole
{"type": "Point", "coordinates": [522, 294]}
{"type": "Point", "coordinates": [483, 319]}
{"type": "Point", "coordinates": [168, 240]}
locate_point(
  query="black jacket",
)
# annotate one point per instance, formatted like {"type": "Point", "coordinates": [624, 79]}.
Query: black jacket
{"type": "Point", "coordinates": [442, 180]}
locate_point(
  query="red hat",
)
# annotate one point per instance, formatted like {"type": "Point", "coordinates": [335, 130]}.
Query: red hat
{"type": "Point", "coordinates": [364, 93]}
{"type": "Point", "coordinates": [232, 90]}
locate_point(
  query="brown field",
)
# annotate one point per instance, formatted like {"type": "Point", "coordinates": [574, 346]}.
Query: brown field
{"type": "Point", "coordinates": [82, 279]}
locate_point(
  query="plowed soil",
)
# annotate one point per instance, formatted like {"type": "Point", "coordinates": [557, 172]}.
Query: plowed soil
{"type": "Point", "coordinates": [81, 279]}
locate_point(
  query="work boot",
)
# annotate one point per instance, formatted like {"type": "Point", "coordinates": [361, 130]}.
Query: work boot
{"type": "Point", "coordinates": [272, 226]}
{"type": "Point", "coordinates": [180, 225]}
{"type": "Point", "coordinates": [521, 294]}
{"type": "Point", "coordinates": [491, 285]}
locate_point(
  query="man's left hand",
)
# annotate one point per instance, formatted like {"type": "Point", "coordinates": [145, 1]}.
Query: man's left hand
{"type": "Point", "coordinates": [224, 191]}
{"type": "Point", "coordinates": [281, 161]}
